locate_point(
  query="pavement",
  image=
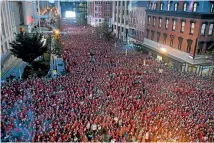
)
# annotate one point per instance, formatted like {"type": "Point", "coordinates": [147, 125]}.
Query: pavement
{"type": "Point", "coordinates": [15, 69]}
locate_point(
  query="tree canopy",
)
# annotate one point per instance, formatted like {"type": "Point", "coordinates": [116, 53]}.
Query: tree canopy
{"type": "Point", "coordinates": [81, 20]}
{"type": "Point", "coordinates": [28, 47]}
{"type": "Point", "coordinates": [103, 30]}
{"type": "Point", "coordinates": [210, 52]}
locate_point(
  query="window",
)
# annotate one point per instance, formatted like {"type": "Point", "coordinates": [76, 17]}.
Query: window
{"type": "Point", "coordinates": [149, 6]}
{"type": "Point", "coordinates": [173, 26]}
{"type": "Point", "coordinates": [119, 3]}
{"type": "Point", "coordinates": [210, 29]}
{"type": "Point", "coordinates": [149, 19]}
{"type": "Point", "coordinates": [167, 23]}
{"type": "Point", "coordinates": [164, 38]}
{"type": "Point", "coordinates": [152, 36]}
{"type": "Point", "coordinates": [171, 42]}
{"type": "Point", "coordinates": [127, 3]}
{"type": "Point", "coordinates": [203, 27]}
{"type": "Point", "coordinates": [192, 26]}
{"type": "Point", "coordinates": [200, 47]}
{"type": "Point", "coordinates": [158, 36]}
{"type": "Point", "coordinates": [168, 5]}
{"type": "Point", "coordinates": [116, 3]}
{"type": "Point", "coordinates": [161, 6]}
{"type": "Point", "coordinates": [185, 7]}
{"type": "Point", "coordinates": [123, 3]}
{"type": "Point", "coordinates": [176, 6]}
{"type": "Point", "coordinates": [212, 8]}
{"type": "Point", "coordinates": [189, 41]}
{"type": "Point", "coordinates": [160, 22]}
{"type": "Point", "coordinates": [2, 49]}
{"type": "Point", "coordinates": [154, 19]}
{"type": "Point", "coordinates": [194, 7]}
{"type": "Point", "coordinates": [147, 36]}
{"type": "Point", "coordinates": [182, 26]}
{"type": "Point", "coordinates": [180, 40]}
{"type": "Point", "coordinates": [155, 5]}
{"type": "Point", "coordinates": [208, 44]}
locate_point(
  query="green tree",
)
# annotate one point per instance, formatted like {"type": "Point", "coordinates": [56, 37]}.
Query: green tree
{"type": "Point", "coordinates": [81, 20]}
{"type": "Point", "coordinates": [104, 32]}
{"type": "Point", "coordinates": [57, 48]}
{"type": "Point", "coordinates": [28, 47]}
{"type": "Point", "coordinates": [210, 52]}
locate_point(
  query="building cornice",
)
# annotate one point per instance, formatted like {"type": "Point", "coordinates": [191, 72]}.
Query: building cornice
{"type": "Point", "coordinates": [181, 14]}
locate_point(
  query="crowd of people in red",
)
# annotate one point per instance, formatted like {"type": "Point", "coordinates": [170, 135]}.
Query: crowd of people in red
{"type": "Point", "coordinates": [110, 96]}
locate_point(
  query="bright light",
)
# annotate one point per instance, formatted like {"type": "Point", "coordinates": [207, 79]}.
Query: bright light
{"type": "Point", "coordinates": [70, 14]}
{"type": "Point", "coordinates": [164, 50]}
{"type": "Point", "coordinates": [57, 31]}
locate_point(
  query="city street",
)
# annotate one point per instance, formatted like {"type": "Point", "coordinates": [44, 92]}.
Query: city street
{"type": "Point", "coordinates": [107, 71]}
{"type": "Point", "coordinates": [110, 94]}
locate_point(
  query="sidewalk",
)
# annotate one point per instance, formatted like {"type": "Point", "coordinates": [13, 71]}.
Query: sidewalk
{"type": "Point", "coordinates": [16, 68]}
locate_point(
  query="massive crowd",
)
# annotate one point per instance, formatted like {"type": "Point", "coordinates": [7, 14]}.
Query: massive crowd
{"type": "Point", "coordinates": [108, 96]}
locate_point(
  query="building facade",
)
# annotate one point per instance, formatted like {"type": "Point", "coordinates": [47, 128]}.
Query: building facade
{"type": "Point", "coordinates": [120, 19]}
{"type": "Point", "coordinates": [186, 26]}
{"type": "Point", "coordinates": [16, 16]}
{"type": "Point", "coordinates": [137, 18]}
{"type": "Point", "coordinates": [98, 11]}
{"type": "Point", "coordinates": [8, 28]}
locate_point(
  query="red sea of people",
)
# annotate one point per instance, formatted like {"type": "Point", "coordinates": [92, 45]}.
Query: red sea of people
{"type": "Point", "coordinates": [109, 96]}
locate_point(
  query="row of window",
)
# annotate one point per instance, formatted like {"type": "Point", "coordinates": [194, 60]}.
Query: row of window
{"type": "Point", "coordinates": [194, 8]}
{"type": "Point", "coordinates": [182, 24]}
{"type": "Point", "coordinates": [203, 29]}
{"type": "Point", "coordinates": [123, 20]}
{"type": "Point", "coordinates": [123, 3]}
{"type": "Point", "coordinates": [107, 14]}
{"type": "Point", "coordinates": [171, 44]}
{"type": "Point", "coordinates": [180, 41]}
{"type": "Point", "coordinates": [107, 8]}
{"type": "Point", "coordinates": [123, 11]}
{"type": "Point", "coordinates": [100, 2]}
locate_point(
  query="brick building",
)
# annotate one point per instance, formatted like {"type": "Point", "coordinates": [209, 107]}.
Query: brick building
{"type": "Point", "coordinates": [98, 11]}
{"type": "Point", "coordinates": [183, 25]}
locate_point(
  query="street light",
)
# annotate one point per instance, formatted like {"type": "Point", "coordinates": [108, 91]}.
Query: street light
{"type": "Point", "coordinates": [56, 32]}
{"type": "Point", "coordinates": [164, 50]}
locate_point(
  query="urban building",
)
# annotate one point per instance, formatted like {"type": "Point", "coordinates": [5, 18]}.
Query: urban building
{"type": "Point", "coordinates": [120, 19]}
{"type": "Point", "coordinates": [8, 28]}
{"type": "Point", "coordinates": [16, 17]}
{"type": "Point", "coordinates": [137, 18]}
{"type": "Point", "coordinates": [182, 30]}
{"type": "Point", "coordinates": [98, 11]}
{"type": "Point", "coordinates": [24, 12]}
